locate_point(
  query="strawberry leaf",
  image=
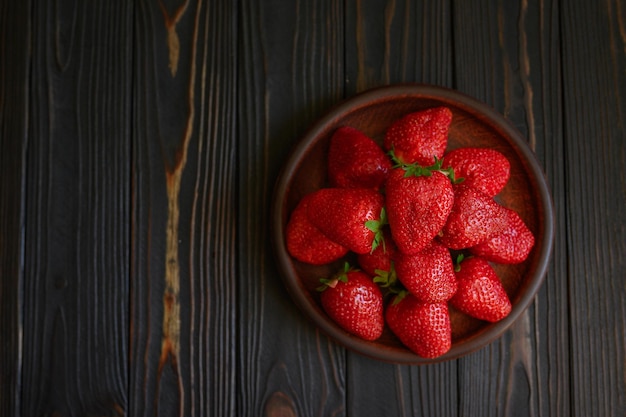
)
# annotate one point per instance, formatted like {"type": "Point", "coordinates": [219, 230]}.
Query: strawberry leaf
{"type": "Point", "coordinates": [382, 278]}
{"type": "Point", "coordinates": [376, 226]}
{"type": "Point", "coordinates": [386, 279]}
{"type": "Point", "coordinates": [400, 295]}
{"type": "Point", "coordinates": [448, 172]}
{"type": "Point", "coordinates": [327, 283]}
{"type": "Point", "coordinates": [342, 276]}
{"type": "Point", "coordinates": [397, 163]}
{"type": "Point", "coordinates": [459, 260]}
{"type": "Point", "coordinates": [389, 283]}
{"type": "Point", "coordinates": [452, 176]}
{"type": "Point", "coordinates": [437, 165]}
{"type": "Point", "coordinates": [415, 170]}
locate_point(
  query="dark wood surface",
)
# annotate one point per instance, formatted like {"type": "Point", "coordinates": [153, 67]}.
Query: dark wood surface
{"type": "Point", "coordinates": [139, 145]}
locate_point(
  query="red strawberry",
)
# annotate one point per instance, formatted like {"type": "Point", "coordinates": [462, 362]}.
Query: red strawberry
{"type": "Point", "coordinates": [306, 243]}
{"type": "Point", "coordinates": [420, 137]}
{"type": "Point", "coordinates": [429, 274]}
{"type": "Point", "coordinates": [381, 258]}
{"type": "Point", "coordinates": [482, 168]}
{"type": "Point", "coordinates": [355, 160]}
{"type": "Point", "coordinates": [354, 302]}
{"type": "Point", "coordinates": [422, 327]}
{"type": "Point", "coordinates": [417, 206]}
{"type": "Point", "coordinates": [512, 246]}
{"type": "Point", "coordinates": [380, 264]}
{"type": "Point", "coordinates": [480, 293]}
{"type": "Point", "coordinates": [352, 217]}
{"type": "Point", "coordinates": [475, 217]}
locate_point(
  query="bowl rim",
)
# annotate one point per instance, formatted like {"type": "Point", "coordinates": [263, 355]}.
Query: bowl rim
{"type": "Point", "coordinates": [473, 106]}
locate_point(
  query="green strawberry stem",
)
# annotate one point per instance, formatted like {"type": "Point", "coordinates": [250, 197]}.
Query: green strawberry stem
{"type": "Point", "coordinates": [416, 170]}
{"type": "Point", "coordinates": [457, 263]}
{"type": "Point", "coordinates": [389, 283]}
{"type": "Point", "coordinates": [332, 282]}
{"type": "Point", "coordinates": [459, 260]}
{"type": "Point", "coordinates": [376, 226]}
{"type": "Point", "coordinates": [386, 279]}
{"type": "Point", "coordinates": [399, 296]}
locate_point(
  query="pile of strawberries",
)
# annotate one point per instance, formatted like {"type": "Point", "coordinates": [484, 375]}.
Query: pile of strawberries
{"type": "Point", "coordinates": [424, 226]}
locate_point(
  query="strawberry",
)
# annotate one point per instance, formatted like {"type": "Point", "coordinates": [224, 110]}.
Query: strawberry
{"type": "Point", "coordinates": [354, 302]}
{"type": "Point", "coordinates": [305, 242]}
{"type": "Point", "coordinates": [418, 202]}
{"type": "Point", "coordinates": [475, 217]}
{"type": "Point", "coordinates": [420, 137]}
{"type": "Point", "coordinates": [355, 160]}
{"type": "Point", "coordinates": [482, 168]}
{"type": "Point", "coordinates": [429, 274]}
{"type": "Point", "coordinates": [381, 258]}
{"type": "Point", "coordinates": [512, 246]}
{"type": "Point", "coordinates": [480, 293]}
{"type": "Point", "coordinates": [352, 217]}
{"type": "Point", "coordinates": [422, 327]}
{"type": "Point", "coordinates": [380, 265]}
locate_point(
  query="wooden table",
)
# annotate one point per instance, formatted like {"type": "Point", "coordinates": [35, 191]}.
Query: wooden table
{"type": "Point", "coordinates": [139, 146]}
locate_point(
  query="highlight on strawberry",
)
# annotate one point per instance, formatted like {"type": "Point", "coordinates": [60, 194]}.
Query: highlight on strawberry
{"type": "Point", "coordinates": [480, 293]}
{"type": "Point", "coordinates": [355, 160]}
{"type": "Point", "coordinates": [354, 302]}
{"type": "Point", "coordinates": [424, 328]}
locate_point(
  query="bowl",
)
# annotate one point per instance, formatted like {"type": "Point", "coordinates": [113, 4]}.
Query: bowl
{"type": "Point", "coordinates": [473, 124]}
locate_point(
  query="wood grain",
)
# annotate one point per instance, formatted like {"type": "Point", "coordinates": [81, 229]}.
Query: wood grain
{"type": "Point", "coordinates": [139, 145]}
{"type": "Point", "coordinates": [496, 46]}
{"type": "Point", "coordinates": [183, 235]}
{"type": "Point", "coordinates": [75, 300]}
{"type": "Point", "coordinates": [394, 42]}
{"type": "Point", "coordinates": [14, 101]}
{"type": "Point", "coordinates": [594, 114]}
{"type": "Point", "coordinates": [398, 41]}
{"type": "Point", "coordinates": [291, 71]}
{"type": "Point", "coordinates": [542, 120]}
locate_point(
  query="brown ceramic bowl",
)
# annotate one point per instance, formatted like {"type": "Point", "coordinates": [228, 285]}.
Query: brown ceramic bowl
{"type": "Point", "coordinates": [473, 124]}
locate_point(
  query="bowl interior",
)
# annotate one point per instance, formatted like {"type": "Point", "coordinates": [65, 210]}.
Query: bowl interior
{"type": "Point", "coordinates": [473, 124]}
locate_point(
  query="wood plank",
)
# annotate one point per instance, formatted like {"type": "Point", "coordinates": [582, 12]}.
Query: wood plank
{"type": "Point", "coordinates": [510, 90]}
{"type": "Point", "coordinates": [492, 57]}
{"type": "Point", "coordinates": [14, 70]}
{"type": "Point", "coordinates": [398, 41]}
{"type": "Point", "coordinates": [77, 216]}
{"type": "Point", "coordinates": [290, 72]}
{"type": "Point", "coordinates": [394, 42]}
{"type": "Point", "coordinates": [541, 120]}
{"type": "Point", "coordinates": [502, 59]}
{"type": "Point", "coordinates": [184, 273]}
{"type": "Point", "coordinates": [594, 97]}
